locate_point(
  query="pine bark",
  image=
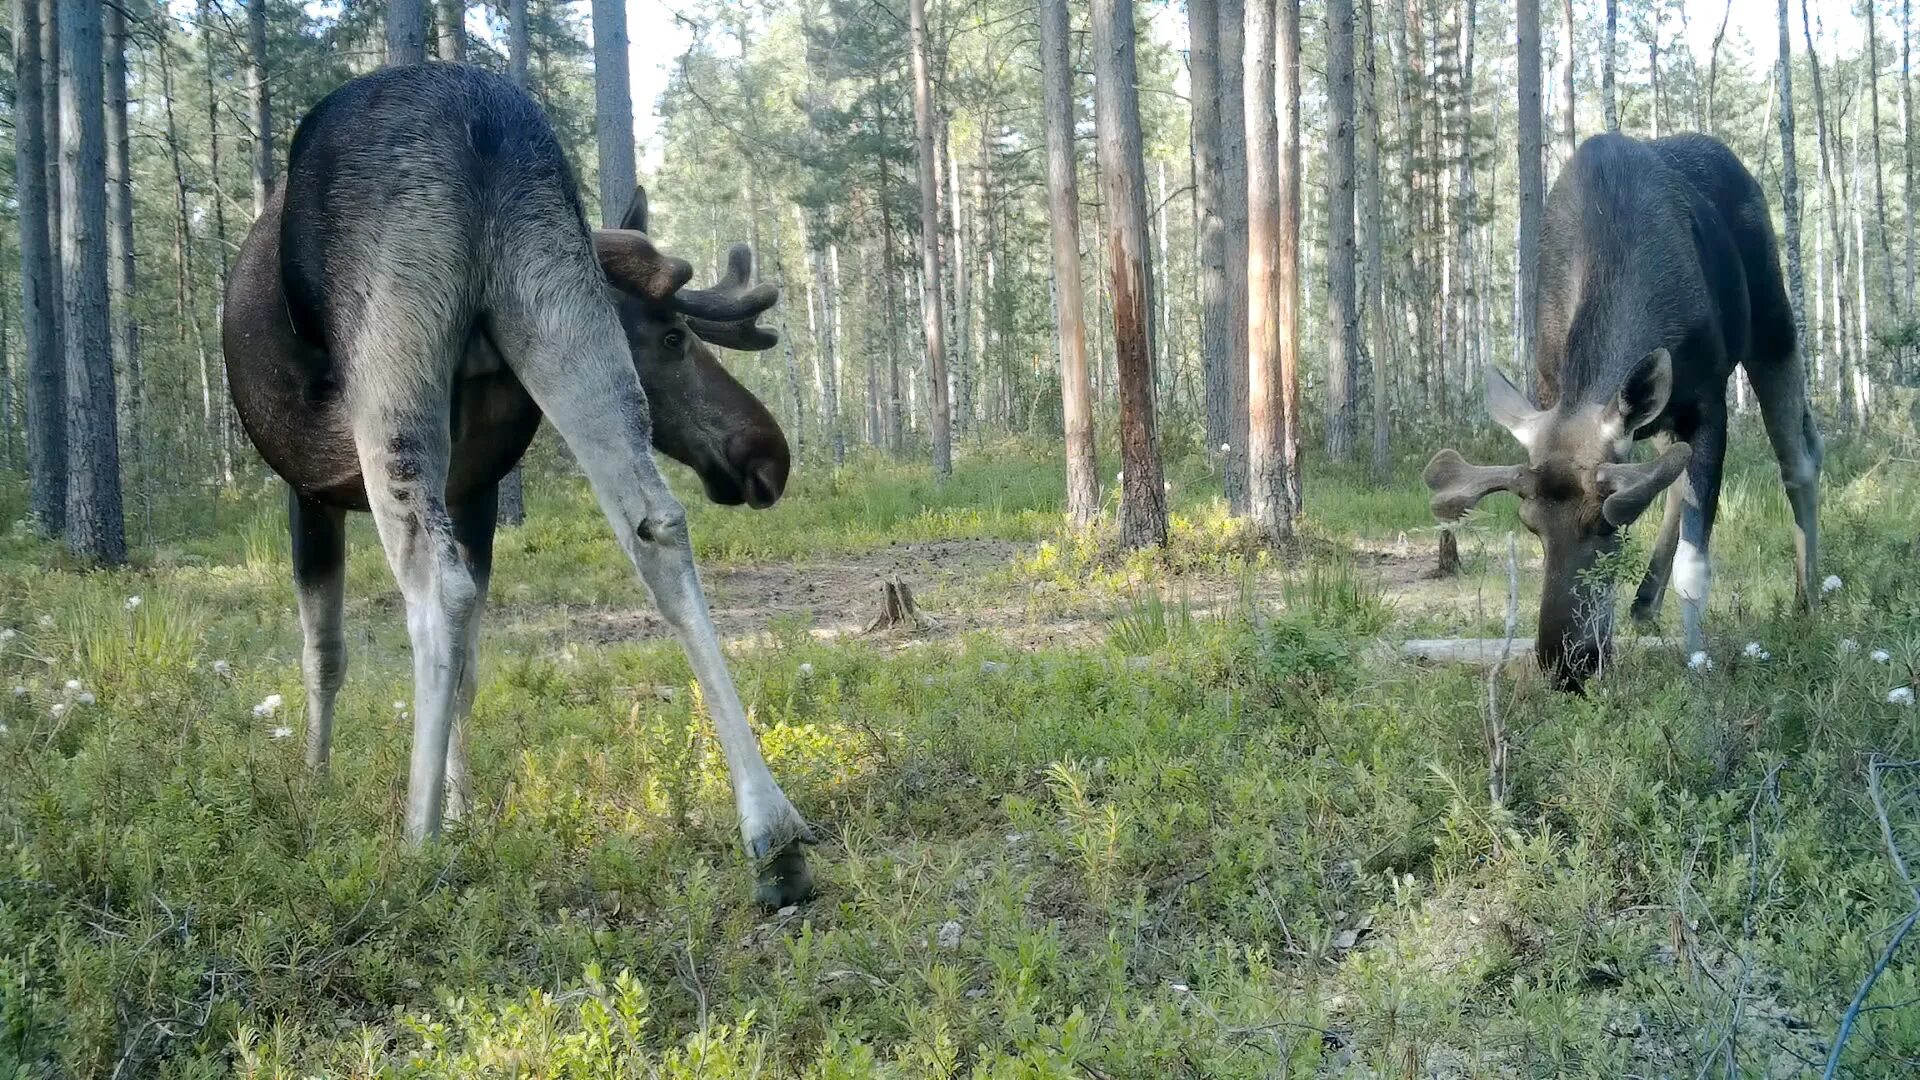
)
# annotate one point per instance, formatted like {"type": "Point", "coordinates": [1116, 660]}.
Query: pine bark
{"type": "Point", "coordinates": [1203, 63]}
{"type": "Point", "coordinates": [1879, 169]}
{"type": "Point", "coordinates": [933, 317]}
{"type": "Point", "coordinates": [1790, 179]}
{"type": "Point", "coordinates": [452, 31]}
{"type": "Point", "coordinates": [517, 41]}
{"type": "Point", "coordinates": [260, 99]}
{"type": "Point", "coordinates": [120, 256]}
{"type": "Point", "coordinates": [1531, 188]}
{"type": "Point", "coordinates": [1373, 298]}
{"type": "Point", "coordinates": [1343, 311]}
{"type": "Point", "coordinates": [613, 109]}
{"type": "Point", "coordinates": [95, 529]}
{"type": "Point", "coordinates": [1233, 217]}
{"type": "Point", "coordinates": [1070, 305]}
{"type": "Point", "coordinates": [1609, 101]}
{"type": "Point", "coordinates": [1267, 460]}
{"type": "Point", "coordinates": [406, 32]}
{"type": "Point", "coordinates": [1908, 195]}
{"type": "Point", "coordinates": [1569, 130]}
{"type": "Point", "coordinates": [1288, 177]}
{"type": "Point", "coordinates": [46, 394]}
{"type": "Point", "coordinates": [1123, 188]}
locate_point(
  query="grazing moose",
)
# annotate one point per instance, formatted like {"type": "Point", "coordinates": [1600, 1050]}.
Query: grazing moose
{"type": "Point", "coordinates": [422, 290]}
{"type": "Point", "coordinates": [1658, 273]}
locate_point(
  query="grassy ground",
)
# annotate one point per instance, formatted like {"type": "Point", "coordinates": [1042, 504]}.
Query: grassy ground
{"type": "Point", "coordinates": [1115, 817]}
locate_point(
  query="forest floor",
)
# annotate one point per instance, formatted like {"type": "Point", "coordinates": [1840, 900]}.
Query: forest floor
{"type": "Point", "coordinates": [1177, 814]}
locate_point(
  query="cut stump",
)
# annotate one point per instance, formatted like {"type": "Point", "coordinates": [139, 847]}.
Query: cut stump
{"type": "Point", "coordinates": [1448, 564]}
{"type": "Point", "coordinates": [898, 610]}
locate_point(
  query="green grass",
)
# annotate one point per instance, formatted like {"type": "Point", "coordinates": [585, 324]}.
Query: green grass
{"type": "Point", "coordinates": [1219, 839]}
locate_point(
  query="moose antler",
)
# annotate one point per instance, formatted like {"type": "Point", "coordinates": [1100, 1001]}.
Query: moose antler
{"type": "Point", "coordinates": [1457, 485]}
{"type": "Point", "coordinates": [724, 315]}
{"type": "Point", "coordinates": [1632, 487]}
{"type": "Point", "coordinates": [632, 262]}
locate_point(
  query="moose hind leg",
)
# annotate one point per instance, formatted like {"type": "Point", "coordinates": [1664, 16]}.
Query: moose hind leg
{"type": "Point", "coordinates": [570, 354]}
{"type": "Point", "coordinates": [1782, 391]}
{"type": "Point", "coordinates": [473, 527]}
{"type": "Point", "coordinates": [319, 535]}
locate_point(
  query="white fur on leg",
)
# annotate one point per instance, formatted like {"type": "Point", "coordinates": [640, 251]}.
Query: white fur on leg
{"type": "Point", "coordinates": [323, 660]}
{"type": "Point", "coordinates": [1692, 575]}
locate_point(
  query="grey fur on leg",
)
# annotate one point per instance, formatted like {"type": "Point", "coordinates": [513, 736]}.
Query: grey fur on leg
{"type": "Point", "coordinates": [575, 364]}
{"type": "Point", "coordinates": [473, 528]}
{"type": "Point", "coordinates": [318, 534]}
{"type": "Point", "coordinates": [1781, 390]}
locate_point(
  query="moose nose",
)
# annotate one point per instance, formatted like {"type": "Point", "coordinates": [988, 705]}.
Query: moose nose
{"type": "Point", "coordinates": [762, 464]}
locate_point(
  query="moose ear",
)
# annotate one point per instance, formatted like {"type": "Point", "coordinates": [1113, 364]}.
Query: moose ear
{"type": "Point", "coordinates": [1510, 408]}
{"type": "Point", "coordinates": [1643, 397]}
{"type": "Point", "coordinates": [636, 218]}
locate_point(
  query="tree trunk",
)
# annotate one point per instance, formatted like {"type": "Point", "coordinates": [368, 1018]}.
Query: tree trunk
{"type": "Point", "coordinates": [517, 41]}
{"type": "Point", "coordinates": [46, 392]}
{"type": "Point", "coordinates": [1906, 144]}
{"type": "Point", "coordinates": [1203, 59]}
{"type": "Point", "coordinates": [1123, 188]}
{"type": "Point", "coordinates": [1232, 189]}
{"type": "Point", "coordinates": [1608, 99]}
{"type": "Point", "coordinates": [933, 318]}
{"type": "Point", "coordinates": [1070, 305]}
{"type": "Point", "coordinates": [1568, 128]}
{"type": "Point", "coordinates": [1343, 311]}
{"type": "Point", "coordinates": [259, 96]}
{"type": "Point", "coordinates": [1879, 171]}
{"type": "Point", "coordinates": [1790, 180]}
{"type": "Point", "coordinates": [890, 334]}
{"type": "Point", "coordinates": [1467, 206]}
{"type": "Point", "coordinates": [119, 166]}
{"type": "Point", "coordinates": [1836, 231]}
{"type": "Point", "coordinates": [1531, 193]}
{"type": "Point", "coordinates": [1272, 503]}
{"type": "Point", "coordinates": [452, 27]}
{"type": "Point", "coordinates": [613, 109]}
{"type": "Point", "coordinates": [1653, 69]}
{"type": "Point", "coordinates": [961, 247]}
{"type": "Point", "coordinates": [406, 32]}
{"type": "Point", "coordinates": [95, 530]}
{"type": "Point", "coordinates": [1373, 296]}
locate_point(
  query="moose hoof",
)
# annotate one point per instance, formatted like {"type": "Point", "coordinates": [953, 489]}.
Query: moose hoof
{"type": "Point", "coordinates": [784, 879]}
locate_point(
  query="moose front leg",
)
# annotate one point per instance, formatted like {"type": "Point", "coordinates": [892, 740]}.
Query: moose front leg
{"type": "Point", "coordinates": [319, 536]}
{"type": "Point", "coordinates": [576, 365]}
{"type": "Point", "coordinates": [1700, 492]}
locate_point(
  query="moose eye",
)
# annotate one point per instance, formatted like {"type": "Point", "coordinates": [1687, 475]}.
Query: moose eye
{"type": "Point", "coordinates": [673, 339]}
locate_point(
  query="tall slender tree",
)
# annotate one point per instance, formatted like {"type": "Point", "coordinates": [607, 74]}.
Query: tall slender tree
{"type": "Point", "coordinates": [613, 109]}
{"type": "Point", "coordinates": [1233, 214]}
{"type": "Point", "coordinates": [1527, 14]}
{"type": "Point", "coordinates": [95, 529]}
{"type": "Point", "coordinates": [1069, 300]}
{"type": "Point", "coordinates": [1288, 175]}
{"type": "Point", "coordinates": [1123, 189]}
{"type": "Point", "coordinates": [406, 32]}
{"type": "Point", "coordinates": [1609, 54]}
{"type": "Point", "coordinates": [260, 98]}
{"type": "Point", "coordinates": [1203, 65]}
{"type": "Point", "coordinates": [1790, 178]}
{"type": "Point", "coordinates": [1373, 296]}
{"type": "Point", "coordinates": [933, 318]}
{"type": "Point", "coordinates": [517, 34]}
{"type": "Point", "coordinates": [1569, 129]}
{"type": "Point", "coordinates": [46, 392]}
{"type": "Point", "coordinates": [1267, 458]}
{"type": "Point", "coordinates": [1343, 311]}
{"type": "Point", "coordinates": [1908, 195]}
{"type": "Point", "coordinates": [1879, 169]}
{"type": "Point", "coordinates": [120, 259]}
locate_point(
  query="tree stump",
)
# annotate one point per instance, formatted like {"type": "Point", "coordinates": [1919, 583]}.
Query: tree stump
{"type": "Point", "coordinates": [897, 610]}
{"type": "Point", "coordinates": [1449, 561]}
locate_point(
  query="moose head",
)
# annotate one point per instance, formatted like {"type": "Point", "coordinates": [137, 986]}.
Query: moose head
{"type": "Point", "coordinates": [702, 416]}
{"type": "Point", "coordinates": [1577, 493]}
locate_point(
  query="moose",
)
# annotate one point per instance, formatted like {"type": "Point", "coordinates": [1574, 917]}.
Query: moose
{"type": "Point", "coordinates": [1658, 273]}
{"type": "Point", "coordinates": [422, 290]}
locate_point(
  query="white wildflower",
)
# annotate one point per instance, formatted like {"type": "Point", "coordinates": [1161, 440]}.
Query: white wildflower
{"type": "Point", "coordinates": [1900, 695]}
{"type": "Point", "coordinates": [1180, 988]}
{"type": "Point", "coordinates": [223, 669]}
{"type": "Point", "coordinates": [1881, 656]}
{"type": "Point", "coordinates": [260, 712]}
{"type": "Point", "coordinates": [1848, 645]}
{"type": "Point", "coordinates": [1832, 584]}
{"type": "Point", "coordinates": [1226, 448]}
{"type": "Point", "coordinates": [133, 603]}
{"type": "Point", "coordinates": [73, 684]}
{"type": "Point", "coordinates": [1700, 661]}
{"type": "Point", "coordinates": [19, 691]}
{"type": "Point", "coordinates": [46, 622]}
{"type": "Point", "coordinates": [806, 670]}
{"type": "Point", "coordinates": [3, 729]}
{"type": "Point", "coordinates": [85, 699]}
{"type": "Point", "coordinates": [282, 732]}
{"type": "Point", "coordinates": [272, 701]}
{"type": "Point", "coordinates": [58, 710]}
{"type": "Point", "coordinates": [1755, 652]}
{"type": "Point", "coordinates": [399, 706]}
{"type": "Point", "coordinates": [7, 635]}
